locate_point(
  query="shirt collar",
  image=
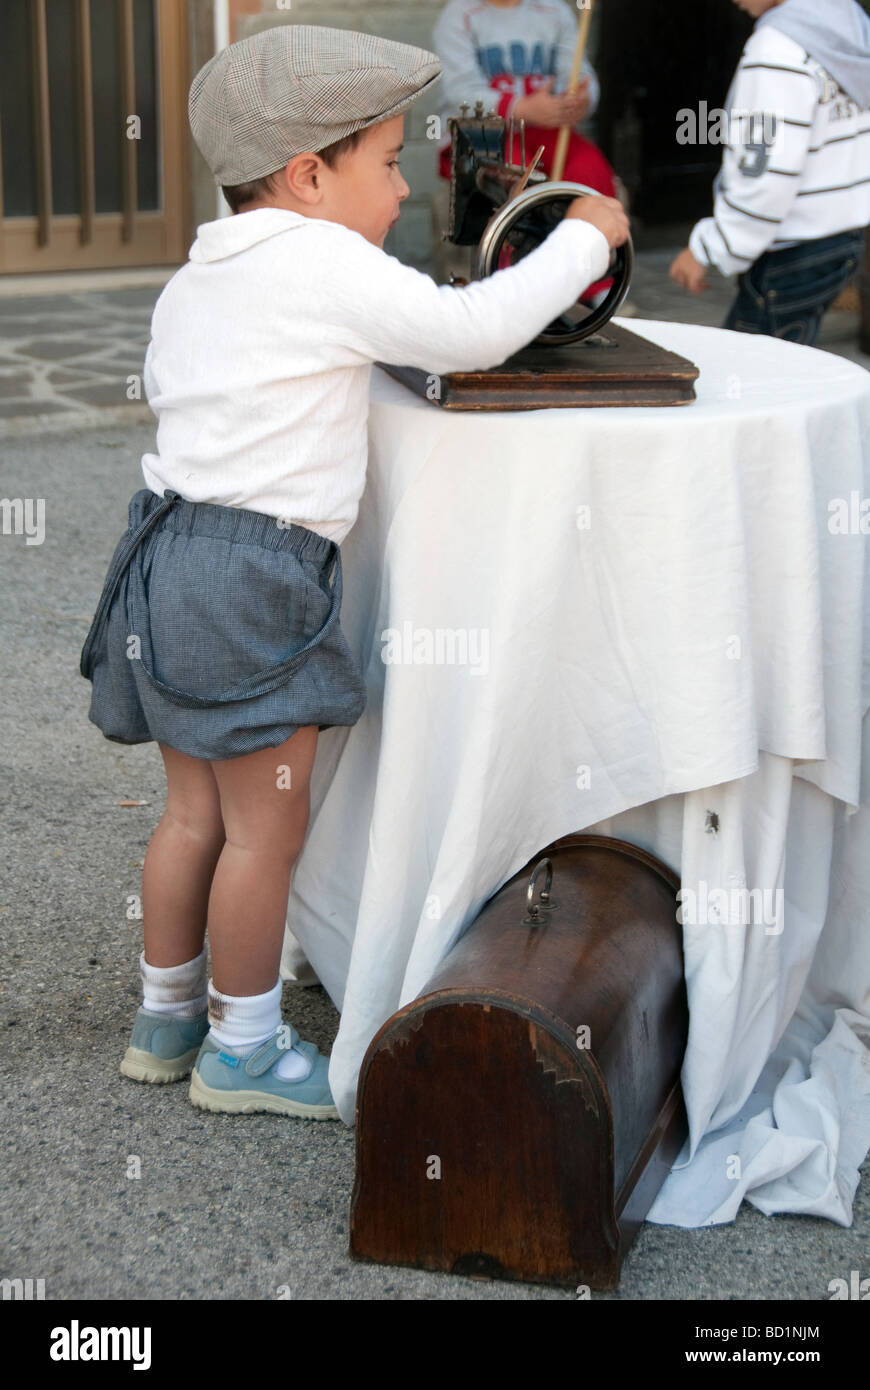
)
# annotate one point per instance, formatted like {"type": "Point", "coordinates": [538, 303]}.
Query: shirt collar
{"type": "Point", "coordinates": [226, 236]}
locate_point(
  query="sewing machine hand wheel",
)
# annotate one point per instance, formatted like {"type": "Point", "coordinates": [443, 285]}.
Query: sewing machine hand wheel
{"type": "Point", "coordinates": [521, 224]}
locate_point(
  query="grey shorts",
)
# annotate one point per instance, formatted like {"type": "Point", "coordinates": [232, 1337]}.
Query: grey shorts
{"type": "Point", "coordinates": [217, 631]}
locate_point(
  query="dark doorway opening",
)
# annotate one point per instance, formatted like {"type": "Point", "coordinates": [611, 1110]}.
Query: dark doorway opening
{"type": "Point", "coordinates": [654, 60]}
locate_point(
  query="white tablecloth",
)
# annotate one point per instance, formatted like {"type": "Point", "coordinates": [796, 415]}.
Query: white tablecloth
{"type": "Point", "coordinates": [660, 632]}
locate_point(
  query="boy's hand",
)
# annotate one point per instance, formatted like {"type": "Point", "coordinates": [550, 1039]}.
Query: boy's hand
{"type": "Point", "coordinates": [545, 109]}
{"type": "Point", "coordinates": [607, 214]}
{"type": "Point", "coordinates": [689, 273]}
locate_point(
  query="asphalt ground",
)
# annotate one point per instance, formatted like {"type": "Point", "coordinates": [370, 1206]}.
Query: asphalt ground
{"type": "Point", "coordinates": [223, 1207]}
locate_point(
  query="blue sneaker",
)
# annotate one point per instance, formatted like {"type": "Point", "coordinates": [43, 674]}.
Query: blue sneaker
{"type": "Point", "coordinates": [223, 1080]}
{"type": "Point", "coordinates": [163, 1048]}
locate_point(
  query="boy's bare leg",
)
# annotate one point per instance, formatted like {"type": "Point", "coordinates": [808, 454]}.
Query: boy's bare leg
{"type": "Point", "coordinates": [180, 861]}
{"type": "Point", "coordinates": [265, 822]}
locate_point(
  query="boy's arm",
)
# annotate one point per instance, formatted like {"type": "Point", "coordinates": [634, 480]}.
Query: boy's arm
{"type": "Point", "coordinates": [567, 43]}
{"type": "Point", "coordinates": [388, 312]}
{"type": "Point", "coordinates": [462, 78]}
{"type": "Point", "coordinates": [762, 163]}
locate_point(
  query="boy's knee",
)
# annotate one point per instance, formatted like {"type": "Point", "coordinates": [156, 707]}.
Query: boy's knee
{"type": "Point", "coordinates": [272, 850]}
{"type": "Point", "coordinates": [197, 822]}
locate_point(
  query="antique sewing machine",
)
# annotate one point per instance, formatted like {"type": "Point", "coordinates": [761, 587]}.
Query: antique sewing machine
{"type": "Point", "coordinates": [505, 210]}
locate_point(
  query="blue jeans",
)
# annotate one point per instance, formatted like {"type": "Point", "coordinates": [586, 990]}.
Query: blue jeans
{"type": "Point", "coordinates": [785, 293]}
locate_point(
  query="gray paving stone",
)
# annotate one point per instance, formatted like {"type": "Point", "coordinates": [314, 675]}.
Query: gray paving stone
{"type": "Point", "coordinates": [144, 297]}
{"type": "Point", "coordinates": [103, 367]}
{"type": "Point", "coordinates": [108, 393]}
{"type": "Point", "coordinates": [113, 315]}
{"type": "Point", "coordinates": [60, 377]}
{"type": "Point", "coordinates": [16, 328]}
{"type": "Point", "coordinates": [40, 304]}
{"type": "Point", "coordinates": [90, 315]}
{"type": "Point", "coordinates": [72, 418]}
{"type": "Point", "coordinates": [56, 348]}
{"type": "Point", "coordinates": [117, 335]}
{"type": "Point", "coordinates": [32, 407]}
{"type": "Point", "coordinates": [17, 385]}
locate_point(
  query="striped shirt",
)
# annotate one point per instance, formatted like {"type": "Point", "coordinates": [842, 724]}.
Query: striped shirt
{"type": "Point", "coordinates": [798, 171]}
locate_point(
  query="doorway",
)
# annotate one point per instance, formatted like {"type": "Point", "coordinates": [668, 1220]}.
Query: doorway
{"type": "Point", "coordinates": [93, 134]}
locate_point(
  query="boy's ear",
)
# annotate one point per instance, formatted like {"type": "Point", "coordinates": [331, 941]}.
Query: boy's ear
{"type": "Point", "coordinates": [303, 177]}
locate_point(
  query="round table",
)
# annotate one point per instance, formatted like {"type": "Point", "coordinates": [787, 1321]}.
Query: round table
{"type": "Point", "coordinates": [651, 622]}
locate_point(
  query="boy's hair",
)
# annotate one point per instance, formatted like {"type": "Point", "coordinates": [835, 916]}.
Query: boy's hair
{"type": "Point", "coordinates": [252, 192]}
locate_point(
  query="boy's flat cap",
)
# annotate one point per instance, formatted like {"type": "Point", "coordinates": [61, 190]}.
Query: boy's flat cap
{"type": "Point", "coordinates": [298, 87]}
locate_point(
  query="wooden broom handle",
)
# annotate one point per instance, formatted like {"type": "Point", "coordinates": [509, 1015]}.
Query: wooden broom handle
{"type": "Point", "coordinates": [558, 167]}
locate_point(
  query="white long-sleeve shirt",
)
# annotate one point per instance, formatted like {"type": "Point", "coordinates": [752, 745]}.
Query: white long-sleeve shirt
{"type": "Point", "coordinates": [812, 181]}
{"type": "Point", "coordinates": [497, 55]}
{"type": "Point", "coordinates": [261, 349]}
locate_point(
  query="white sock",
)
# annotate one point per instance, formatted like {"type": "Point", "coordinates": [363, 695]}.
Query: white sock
{"type": "Point", "coordinates": [245, 1021]}
{"type": "Point", "coordinates": [179, 990]}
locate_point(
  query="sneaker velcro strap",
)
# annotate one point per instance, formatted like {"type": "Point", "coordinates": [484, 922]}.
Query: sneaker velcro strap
{"type": "Point", "coordinates": [309, 1050]}
{"type": "Point", "coordinates": [267, 1055]}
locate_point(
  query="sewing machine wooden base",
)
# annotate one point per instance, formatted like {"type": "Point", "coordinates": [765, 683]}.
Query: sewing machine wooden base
{"type": "Point", "coordinates": [614, 367]}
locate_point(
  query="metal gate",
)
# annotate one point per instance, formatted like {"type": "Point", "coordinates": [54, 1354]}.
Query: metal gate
{"type": "Point", "coordinates": [93, 134]}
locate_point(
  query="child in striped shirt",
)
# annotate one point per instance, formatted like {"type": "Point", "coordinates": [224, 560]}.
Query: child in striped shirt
{"type": "Point", "coordinates": [792, 199]}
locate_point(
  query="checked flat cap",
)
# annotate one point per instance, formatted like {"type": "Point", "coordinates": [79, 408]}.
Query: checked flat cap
{"type": "Point", "coordinates": [295, 88]}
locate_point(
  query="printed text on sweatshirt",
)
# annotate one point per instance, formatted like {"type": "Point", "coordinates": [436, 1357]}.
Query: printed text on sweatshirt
{"type": "Point", "coordinates": [497, 55]}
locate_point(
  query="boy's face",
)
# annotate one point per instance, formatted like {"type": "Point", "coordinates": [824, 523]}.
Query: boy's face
{"type": "Point", "coordinates": [365, 188]}
{"type": "Point", "coordinates": [362, 192]}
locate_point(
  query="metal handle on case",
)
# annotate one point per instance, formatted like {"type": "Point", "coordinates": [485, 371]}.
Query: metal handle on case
{"type": "Point", "coordinates": [534, 910]}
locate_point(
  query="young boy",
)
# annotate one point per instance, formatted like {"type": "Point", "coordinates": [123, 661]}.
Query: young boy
{"type": "Point", "coordinates": [792, 198]}
{"type": "Point", "coordinates": [516, 56]}
{"type": "Point", "coordinates": [221, 636]}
